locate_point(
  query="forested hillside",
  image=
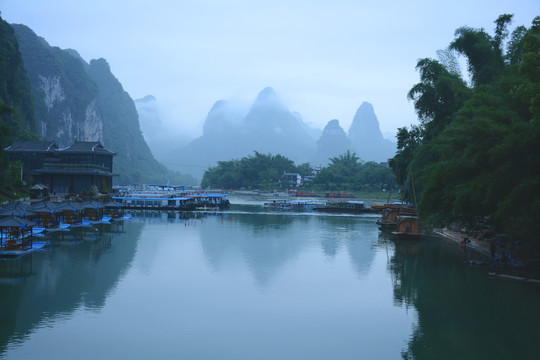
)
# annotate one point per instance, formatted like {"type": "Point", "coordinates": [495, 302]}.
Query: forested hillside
{"type": "Point", "coordinates": [474, 155]}
{"type": "Point", "coordinates": [52, 94]}
{"type": "Point", "coordinates": [17, 120]}
{"type": "Point", "coordinates": [123, 135]}
{"type": "Point", "coordinates": [16, 107]}
{"type": "Point", "coordinates": [62, 92]}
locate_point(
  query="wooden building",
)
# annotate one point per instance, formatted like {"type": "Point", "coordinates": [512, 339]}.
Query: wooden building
{"type": "Point", "coordinates": [70, 170]}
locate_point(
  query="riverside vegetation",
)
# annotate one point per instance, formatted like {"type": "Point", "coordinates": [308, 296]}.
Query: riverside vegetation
{"type": "Point", "coordinates": [474, 155]}
{"type": "Point", "coordinates": [262, 171]}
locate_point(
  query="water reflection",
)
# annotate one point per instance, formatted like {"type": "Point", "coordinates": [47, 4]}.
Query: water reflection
{"type": "Point", "coordinates": [276, 239]}
{"type": "Point", "coordinates": [462, 314]}
{"type": "Point", "coordinates": [263, 243]}
{"type": "Point", "coordinates": [356, 233]}
{"type": "Point", "coordinates": [226, 285]}
{"type": "Point", "coordinates": [79, 270]}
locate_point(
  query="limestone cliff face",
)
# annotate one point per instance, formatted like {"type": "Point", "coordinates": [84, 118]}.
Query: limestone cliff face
{"type": "Point", "coordinates": [60, 124]}
{"type": "Point", "coordinates": [77, 101]}
{"type": "Point", "coordinates": [92, 126]}
{"type": "Point", "coordinates": [64, 95]}
{"type": "Point", "coordinates": [52, 90]}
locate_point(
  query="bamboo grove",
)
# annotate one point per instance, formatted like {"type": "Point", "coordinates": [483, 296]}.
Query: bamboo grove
{"type": "Point", "coordinates": [475, 153]}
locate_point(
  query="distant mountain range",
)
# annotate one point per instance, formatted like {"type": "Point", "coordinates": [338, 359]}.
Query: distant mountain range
{"type": "Point", "coordinates": [58, 96]}
{"type": "Point", "coordinates": [270, 127]}
{"type": "Point", "coordinates": [366, 137]}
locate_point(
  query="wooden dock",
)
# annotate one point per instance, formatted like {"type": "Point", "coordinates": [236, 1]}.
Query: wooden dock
{"type": "Point", "coordinates": [36, 245]}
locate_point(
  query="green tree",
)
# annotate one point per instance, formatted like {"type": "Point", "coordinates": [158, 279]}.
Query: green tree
{"type": "Point", "coordinates": [474, 154]}
{"type": "Point", "coordinates": [257, 171]}
{"type": "Point", "coordinates": [347, 173]}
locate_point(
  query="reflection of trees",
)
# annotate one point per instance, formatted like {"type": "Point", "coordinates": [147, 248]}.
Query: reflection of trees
{"type": "Point", "coordinates": [273, 242]}
{"type": "Point", "coordinates": [356, 233]}
{"type": "Point", "coordinates": [462, 314]}
{"type": "Point", "coordinates": [80, 269]}
{"type": "Point", "coordinates": [267, 242]}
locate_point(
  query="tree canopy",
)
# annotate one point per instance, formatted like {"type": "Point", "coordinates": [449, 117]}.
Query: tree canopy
{"type": "Point", "coordinates": [348, 173]}
{"type": "Point", "coordinates": [263, 171]}
{"type": "Point", "coordinates": [475, 152]}
{"type": "Point", "coordinates": [257, 171]}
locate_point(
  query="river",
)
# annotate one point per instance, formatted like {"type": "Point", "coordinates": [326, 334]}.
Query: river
{"type": "Point", "coordinates": [253, 284]}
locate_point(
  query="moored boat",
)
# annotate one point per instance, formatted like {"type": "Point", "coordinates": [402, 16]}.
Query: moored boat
{"type": "Point", "coordinates": [390, 216]}
{"type": "Point", "coordinates": [408, 227]}
{"type": "Point", "coordinates": [350, 206]}
{"type": "Point", "coordinates": [306, 194]}
{"type": "Point", "coordinates": [339, 195]}
{"type": "Point", "coordinates": [277, 204]}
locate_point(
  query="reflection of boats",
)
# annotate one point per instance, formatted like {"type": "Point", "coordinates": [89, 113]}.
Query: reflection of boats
{"type": "Point", "coordinates": [15, 251]}
{"type": "Point", "coordinates": [351, 206]}
{"type": "Point", "coordinates": [105, 219]}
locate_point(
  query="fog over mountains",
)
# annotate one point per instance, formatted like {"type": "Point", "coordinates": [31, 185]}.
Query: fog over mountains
{"type": "Point", "coordinates": [72, 100]}
{"type": "Point", "coordinates": [79, 101]}
{"type": "Point", "coordinates": [268, 126]}
{"type": "Point", "coordinates": [157, 135]}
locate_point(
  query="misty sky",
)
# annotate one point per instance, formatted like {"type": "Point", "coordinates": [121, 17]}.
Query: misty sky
{"type": "Point", "coordinates": [323, 58]}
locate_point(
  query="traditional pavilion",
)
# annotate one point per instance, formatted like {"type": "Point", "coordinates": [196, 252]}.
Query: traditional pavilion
{"type": "Point", "coordinates": [70, 170]}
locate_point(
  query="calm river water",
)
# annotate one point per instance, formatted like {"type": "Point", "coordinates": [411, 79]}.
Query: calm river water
{"type": "Point", "coordinates": [250, 284]}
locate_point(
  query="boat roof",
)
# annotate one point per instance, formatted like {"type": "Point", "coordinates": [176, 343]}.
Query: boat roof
{"type": "Point", "coordinates": [209, 195]}
{"type": "Point", "coordinates": [148, 198]}
{"type": "Point", "coordinates": [355, 202]}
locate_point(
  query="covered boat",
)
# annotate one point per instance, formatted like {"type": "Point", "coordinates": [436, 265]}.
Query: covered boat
{"type": "Point", "coordinates": [351, 207]}
{"type": "Point", "coordinates": [408, 227]}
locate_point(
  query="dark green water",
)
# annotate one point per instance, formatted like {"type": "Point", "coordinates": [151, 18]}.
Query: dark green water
{"type": "Point", "coordinates": [248, 284]}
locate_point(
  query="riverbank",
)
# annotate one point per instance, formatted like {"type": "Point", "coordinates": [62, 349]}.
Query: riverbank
{"type": "Point", "coordinates": [516, 267]}
{"type": "Point", "coordinates": [481, 246]}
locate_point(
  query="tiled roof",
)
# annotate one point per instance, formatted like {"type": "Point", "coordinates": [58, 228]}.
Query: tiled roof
{"type": "Point", "coordinates": [33, 146]}
{"type": "Point", "coordinates": [87, 146]}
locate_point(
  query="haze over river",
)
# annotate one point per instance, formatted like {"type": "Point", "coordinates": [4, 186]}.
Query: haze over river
{"type": "Point", "coordinates": [253, 284]}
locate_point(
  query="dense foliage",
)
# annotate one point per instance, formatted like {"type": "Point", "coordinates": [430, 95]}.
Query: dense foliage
{"type": "Point", "coordinates": [347, 173]}
{"type": "Point", "coordinates": [475, 153]}
{"type": "Point", "coordinates": [257, 171]}
{"type": "Point", "coordinates": [16, 107]}
{"type": "Point", "coordinates": [17, 120]}
{"type": "Point", "coordinates": [264, 171]}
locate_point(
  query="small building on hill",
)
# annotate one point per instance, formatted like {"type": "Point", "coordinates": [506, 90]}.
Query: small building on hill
{"type": "Point", "coordinates": [73, 169]}
{"type": "Point", "coordinates": [290, 179]}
